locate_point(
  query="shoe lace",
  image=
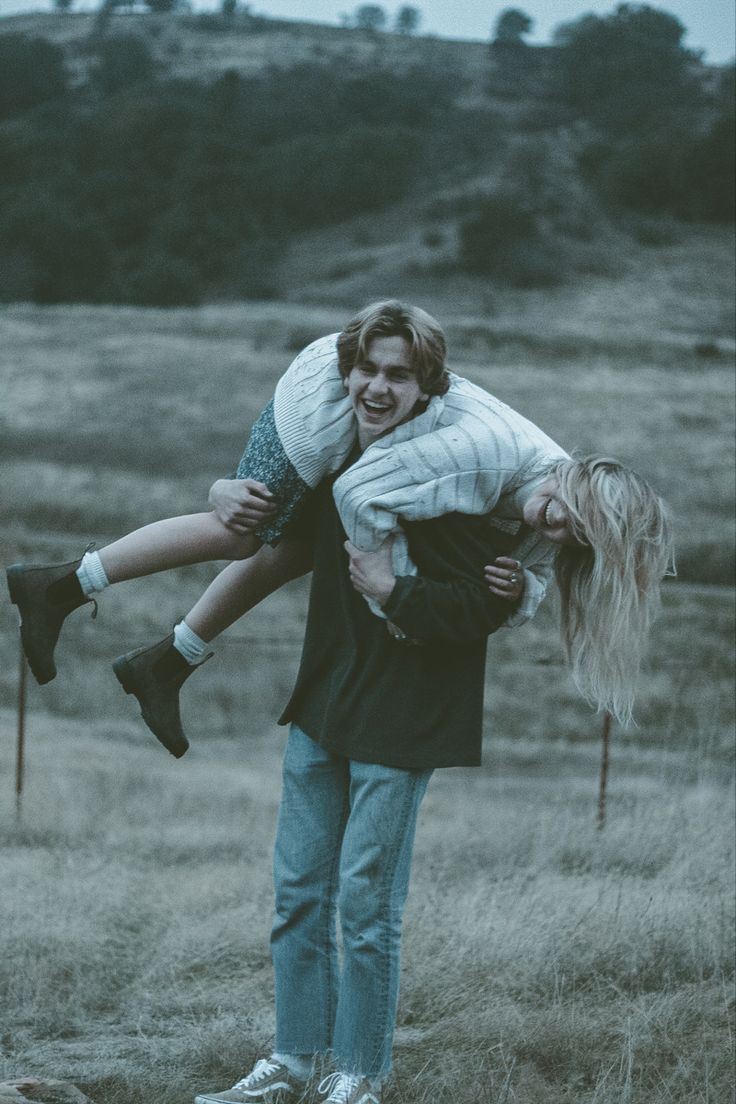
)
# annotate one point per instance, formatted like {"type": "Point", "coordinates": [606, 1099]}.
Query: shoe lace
{"type": "Point", "coordinates": [339, 1086]}
{"type": "Point", "coordinates": [263, 1068]}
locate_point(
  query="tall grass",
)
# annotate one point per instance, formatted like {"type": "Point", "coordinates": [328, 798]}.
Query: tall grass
{"type": "Point", "coordinates": [545, 961]}
{"type": "Point", "coordinates": [543, 958]}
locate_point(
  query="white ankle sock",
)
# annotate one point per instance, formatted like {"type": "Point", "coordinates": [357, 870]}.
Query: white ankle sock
{"type": "Point", "coordinates": [300, 1065]}
{"type": "Point", "coordinates": [188, 644]}
{"type": "Point", "coordinates": [91, 574]}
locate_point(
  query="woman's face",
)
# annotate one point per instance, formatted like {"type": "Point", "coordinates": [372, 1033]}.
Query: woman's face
{"type": "Point", "coordinates": [383, 388]}
{"type": "Point", "coordinates": [547, 514]}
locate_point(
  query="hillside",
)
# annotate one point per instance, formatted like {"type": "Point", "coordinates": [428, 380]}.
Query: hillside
{"type": "Point", "coordinates": [179, 159]}
{"type": "Point", "coordinates": [203, 47]}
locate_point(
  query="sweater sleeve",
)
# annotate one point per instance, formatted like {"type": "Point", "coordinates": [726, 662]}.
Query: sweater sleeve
{"type": "Point", "coordinates": [443, 471]}
{"type": "Point", "coordinates": [464, 452]}
{"type": "Point", "coordinates": [313, 413]}
{"type": "Point", "coordinates": [536, 581]}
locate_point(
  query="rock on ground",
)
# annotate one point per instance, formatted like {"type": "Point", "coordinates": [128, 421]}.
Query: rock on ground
{"type": "Point", "coordinates": [40, 1092]}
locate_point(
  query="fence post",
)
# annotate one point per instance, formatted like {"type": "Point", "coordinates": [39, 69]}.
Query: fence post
{"type": "Point", "coordinates": [605, 734]}
{"type": "Point", "coordinates": [20, 747]}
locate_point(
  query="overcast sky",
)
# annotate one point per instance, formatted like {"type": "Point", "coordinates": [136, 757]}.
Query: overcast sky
{"type": "Point", "coordinates": [711, 24]}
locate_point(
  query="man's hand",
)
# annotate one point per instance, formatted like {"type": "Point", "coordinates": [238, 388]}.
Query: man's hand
{"type": "Point", "coordinates": [372, 573]}
{"type": "Point", "coordinates": [241, 504]}
{"type": "Point", "coordinates": [505, 578]}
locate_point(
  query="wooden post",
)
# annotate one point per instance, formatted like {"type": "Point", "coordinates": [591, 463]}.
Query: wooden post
{"type": "Point", "coordinates": [605, 735]}
{"type": "Point", "coordinates": [20, 747]}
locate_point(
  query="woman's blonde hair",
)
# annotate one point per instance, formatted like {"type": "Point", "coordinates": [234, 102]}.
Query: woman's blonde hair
{"type": "Point", "coordinates": [610, 581]}
{"type": "Point", "coordinates": [392, 318]}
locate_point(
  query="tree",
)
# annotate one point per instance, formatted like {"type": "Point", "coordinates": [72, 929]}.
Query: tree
{"type": "Point", "coordinates": [228, 8]}
{"type": "Point", "coordinates": [161, 6]}
{"type": "Point", "coordinates": [514, 64]}
{"type": "Point", "coordinates": [627, 71]}
{"type": "Point", "coordinates": [370, 17]}
{"type": "Point", "coordinates": [102, 19]}
{"type": "Point", "coordinates": [122, 61]}
{"type": "Point", "coordinates": [31, 73]}
{"type": "Point", "coordinates": [407, 20]}
{"type": "Point", "coordinates": [511, 25]}
{"type": "Point", "coordinates": [63, 5]}
{"type": "Point", "coordinates": [497, 226]}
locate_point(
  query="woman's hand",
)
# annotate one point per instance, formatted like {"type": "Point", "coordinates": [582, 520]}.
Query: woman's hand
{"type": "Point", "coordinates": [372, 573]}
{"type": "Point", "coordinates": [241, 505]}
{"type": "Point", "coordinates": [505, 578]}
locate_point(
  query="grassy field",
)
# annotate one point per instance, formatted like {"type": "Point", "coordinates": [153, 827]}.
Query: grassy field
{"type": "Point", "coordinates": [545, 960]}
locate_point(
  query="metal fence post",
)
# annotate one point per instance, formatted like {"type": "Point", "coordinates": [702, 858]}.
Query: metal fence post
{"type": "Point", "coordinates": [605, 735]}
{"type": "Point", "coordinates": [20, 747]}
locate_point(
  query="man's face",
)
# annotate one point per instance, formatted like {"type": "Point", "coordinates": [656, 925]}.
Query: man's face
{"type": "Point", "coordinates": [546, 513]}
{"type": "Point", "coordinates": [383, 388]}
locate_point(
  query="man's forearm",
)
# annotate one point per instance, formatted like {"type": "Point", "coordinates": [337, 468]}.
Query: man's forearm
{"type": "Point", "coordinates": [457, 611]}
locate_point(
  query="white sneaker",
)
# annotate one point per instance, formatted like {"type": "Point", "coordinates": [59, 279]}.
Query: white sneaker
{"type": "Point", "coordinates": [268, 1081]}
{"type": "Point", "coordinates": [345, 1088]}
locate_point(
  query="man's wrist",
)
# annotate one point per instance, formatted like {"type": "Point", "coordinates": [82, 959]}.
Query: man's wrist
{"type": "Point", "coordinates": [383, 594]}
{"type": "Point", "coordinates": [402, 584]}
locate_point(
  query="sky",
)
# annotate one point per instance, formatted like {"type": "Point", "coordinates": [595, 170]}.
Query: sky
{"type": "Point", "coordinates": [711, 24]}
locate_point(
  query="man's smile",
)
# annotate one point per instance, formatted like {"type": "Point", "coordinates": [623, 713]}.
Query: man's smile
{"type": "Point", "coordinates": [374, 407]}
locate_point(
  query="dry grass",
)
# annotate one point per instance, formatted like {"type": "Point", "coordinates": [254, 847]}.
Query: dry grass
{"type": "Point", "coordinates": [545, 960]}
{"type": "Point", "coordinates": [559, 962]}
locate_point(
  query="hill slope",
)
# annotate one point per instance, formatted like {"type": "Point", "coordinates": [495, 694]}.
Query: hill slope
{"type": "Point", "coordinates": [191, 157]}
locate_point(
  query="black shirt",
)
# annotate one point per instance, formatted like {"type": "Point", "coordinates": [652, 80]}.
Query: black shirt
{"type": "Point", "coordinates": [368, 697]}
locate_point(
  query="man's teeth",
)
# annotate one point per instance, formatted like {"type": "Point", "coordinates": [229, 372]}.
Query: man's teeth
{"type": "Point", "coordinates": [546, 513]}
{"type": "Point", "coordinates": [374, 406]}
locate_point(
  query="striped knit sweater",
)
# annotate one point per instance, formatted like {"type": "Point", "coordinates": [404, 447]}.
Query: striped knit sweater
{"type": "Point", "coordinates": [467, 452]}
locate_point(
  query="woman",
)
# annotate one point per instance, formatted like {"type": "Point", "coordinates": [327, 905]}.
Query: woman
{"type": "Point", "coordinates": [458, 449]}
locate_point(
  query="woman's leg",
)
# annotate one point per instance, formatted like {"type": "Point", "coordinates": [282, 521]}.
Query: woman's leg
{"type": "Point", "coordinates": [156, 674]}
{"type": "Point", "coordinates": [46, 594]}
{"type": "Point", "coordinates": [241, 586]}
{"type": "Point", "coordinates": [173, 542]}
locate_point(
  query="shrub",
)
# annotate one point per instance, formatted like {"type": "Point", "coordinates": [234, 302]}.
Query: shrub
{"type": "Point", "coordinates": [687, 175]}
{"type": "Point", "coordinates": [498, 224]}
{"type": "Point", "coordinates": [66, 253]}
{"type": "Point", "coordinates": [122, 61]}
{"type": "Point", "coordinates": [31, 73]}
{"type": "Point", "coordinates": [433, 238]}
{"type": "Point", "coordinates": [163, 281]}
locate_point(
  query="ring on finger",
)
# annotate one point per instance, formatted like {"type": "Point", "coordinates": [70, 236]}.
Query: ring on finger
{"type": "Point", "coordinates": [514, 578]}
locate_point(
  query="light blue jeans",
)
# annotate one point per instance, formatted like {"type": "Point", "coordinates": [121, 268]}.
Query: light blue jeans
{"type": "Point", "coordinates": [343, 845]}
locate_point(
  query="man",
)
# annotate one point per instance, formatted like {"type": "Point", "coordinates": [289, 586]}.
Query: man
{"type": "Point", "coordinates": [372, 714]}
